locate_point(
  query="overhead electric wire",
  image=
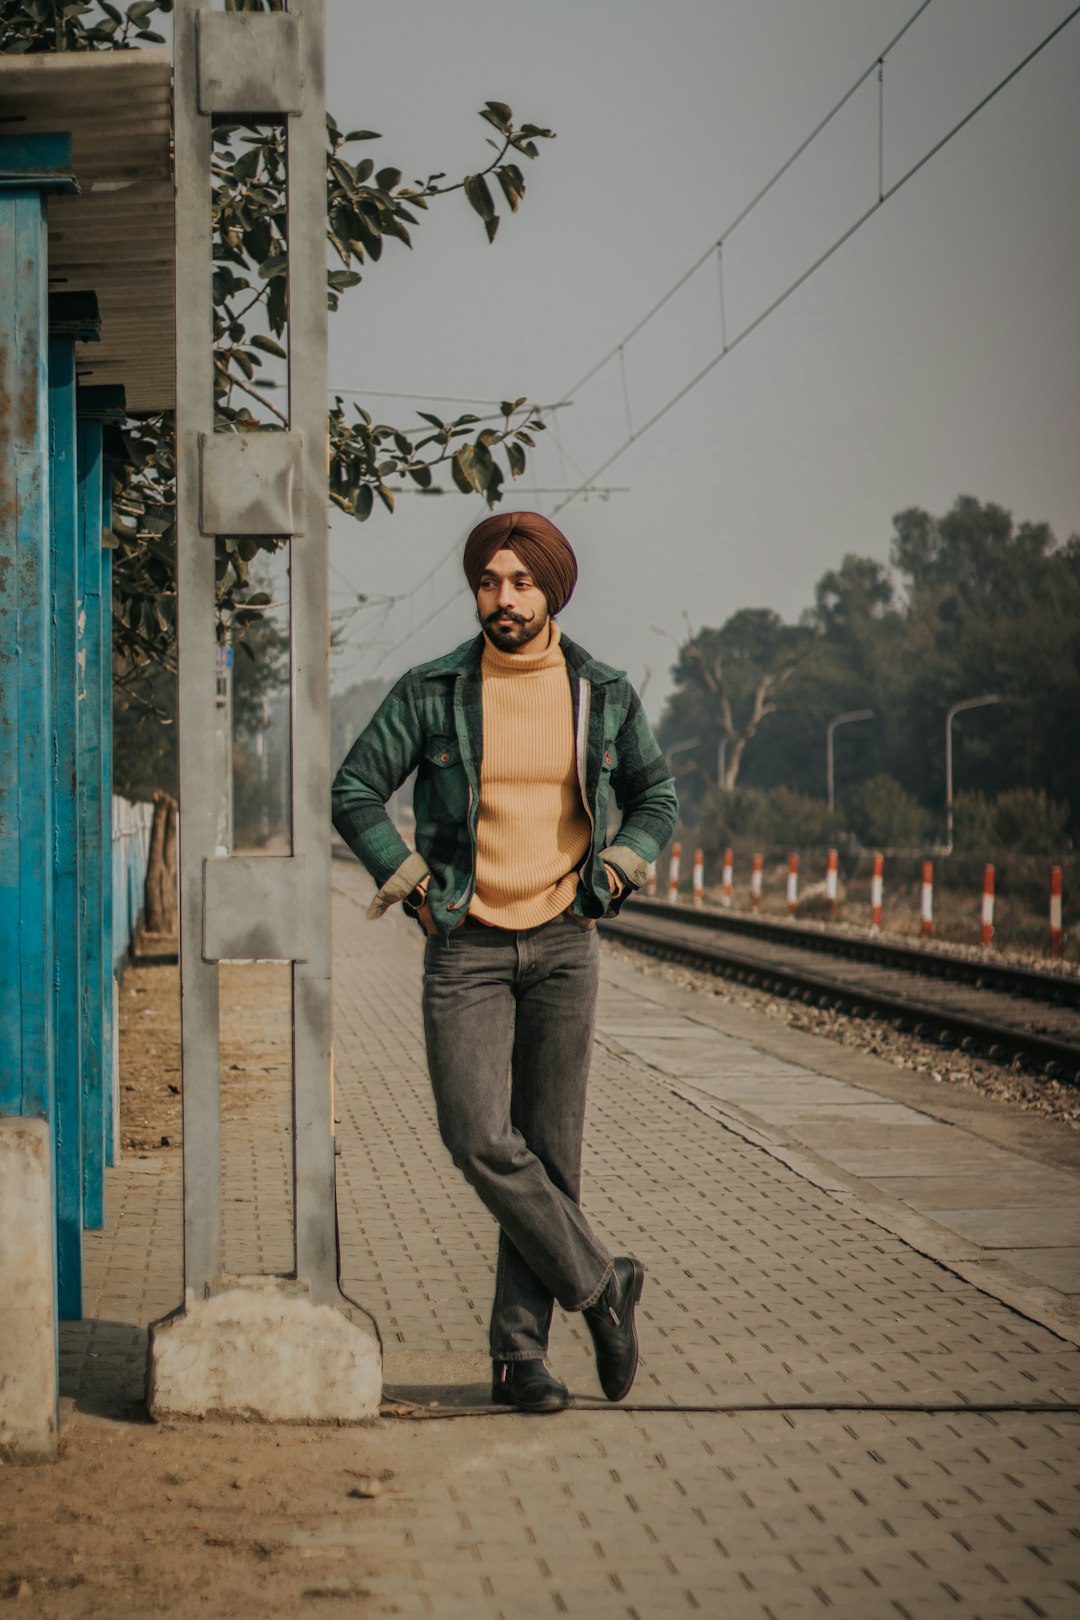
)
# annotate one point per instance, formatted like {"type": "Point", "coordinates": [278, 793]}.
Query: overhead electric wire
{"type": "Point", "coordinates": [753, 203]}
{"type": "Point", "coordinates": [437, 399]}
{"type": "Point", "coordinates": [885, 195]}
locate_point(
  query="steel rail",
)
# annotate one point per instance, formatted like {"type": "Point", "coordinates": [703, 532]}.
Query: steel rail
{"type": "Point", "coordinates": [921, 959]}
{"type": "Point", "coordinates": [995, 1038]}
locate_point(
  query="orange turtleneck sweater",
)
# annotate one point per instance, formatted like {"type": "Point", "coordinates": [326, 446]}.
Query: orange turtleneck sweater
{"type": "Point", "coordinates": [533, 829]}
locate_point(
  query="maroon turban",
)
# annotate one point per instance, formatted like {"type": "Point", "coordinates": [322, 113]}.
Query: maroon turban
{"type": "Point", "coordinates": [544, 550]}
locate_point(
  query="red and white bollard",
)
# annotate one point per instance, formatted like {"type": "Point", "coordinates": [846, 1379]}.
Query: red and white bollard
{"type": "Point", "coordinates": [926, 899]}
{"type": "Point", "coordinates": [986, 932]}
{"type": "Point", "coordinates": [832, 868]}
{"type": "Point", "coordinates": [793, 884]}
{"type": "Point", "coordinates": [726, 876]}
{"type": "Point", "coordinates": [650, 878]}
{"type": "Point", "coordinates": [755, 882]}
{"type": "Point", "coordinates": [673, 875]}
{"type": "Point", "coordinates": [877, 889]}
{"type": "Point", "coordinates": [699, 877]}
{"type": "Point", "coordinates": [1057, 938]}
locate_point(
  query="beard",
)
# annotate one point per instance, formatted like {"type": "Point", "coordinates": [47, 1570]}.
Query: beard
{"type": "Point", "coordinates": [517, 633]}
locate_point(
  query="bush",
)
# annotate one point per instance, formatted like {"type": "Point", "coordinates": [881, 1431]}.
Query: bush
{"type": "Point", "coordinates": [1022, 820]}
{"type": "Point", "coordinates": [885, 816]}
{"type": "Point", "coordinates": [765, 816]}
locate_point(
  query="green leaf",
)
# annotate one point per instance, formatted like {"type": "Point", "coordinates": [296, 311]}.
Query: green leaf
{"type": "Point", "coordinates": [364, 502]}
{"type": "Point", "coordinates": [490, 228]}
{"type": "Point", "coordinates": [476, 190]}
{"type": "Point", "coordinates": [459, 477]}
{"type": "Point", "coordinates": [275, 264]}
{"type": "Point", "coordinates": [387, 179]}
{"type": "Point", "coordinates": [498, 114]}
{"type": "Point", "coordinates": [515, 455]}
{"type": "Point", "coordinates": [394, 227]}
{"type": "Point", "coordinates": [363, 135]}
{"type": "Point", "coordinates": [277, 305]}
{"type": "Point", "coordinates": [510, 189]}
{"type": "Point", "coordinates": [387, 497]}
{"type": "Point", "coordinates": [344, 174]}
{"type": "Point", "coordinates": [340, 279]}
{"type": "Point", "coordinates": [268, 346]}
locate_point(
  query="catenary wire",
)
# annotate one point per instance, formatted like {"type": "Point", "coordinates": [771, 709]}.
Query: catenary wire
{"type": "Point", "coordinates": [845, 236]}
{"type": "Point", "coordinates": [587, 481]}
{"type": "Point", "coordinates": [751, 205]}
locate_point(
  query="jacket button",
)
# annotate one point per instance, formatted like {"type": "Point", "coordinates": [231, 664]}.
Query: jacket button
{"type": "Point", "coordinates": [607, 757]}
{"type": "Point", "coordinates": [444, 758]}
{"type": "Point", "coordinates": [452, 906]}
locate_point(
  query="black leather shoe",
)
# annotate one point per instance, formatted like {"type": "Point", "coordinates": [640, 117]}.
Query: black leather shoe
{"type": "Point", "coordinates": [611, 1323]}
{"type": "Point", "coordinates": [528, 1387]}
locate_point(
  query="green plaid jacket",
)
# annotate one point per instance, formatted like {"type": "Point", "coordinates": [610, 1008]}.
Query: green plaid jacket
{"type": "Point", "coordinates": [432, 722]}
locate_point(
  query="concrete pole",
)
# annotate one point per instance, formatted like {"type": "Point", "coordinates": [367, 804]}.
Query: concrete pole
{"type": "Point", "coordinates": [280, 1348]}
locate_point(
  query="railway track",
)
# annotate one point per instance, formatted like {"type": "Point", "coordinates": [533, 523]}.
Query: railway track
{"type": "Point", "coordinates": [1005, 1012]}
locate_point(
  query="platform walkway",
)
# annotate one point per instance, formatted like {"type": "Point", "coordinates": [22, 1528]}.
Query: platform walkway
{"type": "Point", "coordinates": [827, 1419]}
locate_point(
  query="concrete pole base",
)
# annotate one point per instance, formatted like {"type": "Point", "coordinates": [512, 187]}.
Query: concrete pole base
{"type": "Point", "coordinates": [28, 1388]}
{"type": "Point", "coordinates": [259, 1348]}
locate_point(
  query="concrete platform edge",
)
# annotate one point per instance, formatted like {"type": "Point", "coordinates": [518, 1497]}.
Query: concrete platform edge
{"type": "Point", "coordinates": [991, 1275]}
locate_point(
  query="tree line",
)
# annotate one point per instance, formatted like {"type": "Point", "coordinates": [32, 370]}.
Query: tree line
{"type": "Point", "coordinates": [971, 604]}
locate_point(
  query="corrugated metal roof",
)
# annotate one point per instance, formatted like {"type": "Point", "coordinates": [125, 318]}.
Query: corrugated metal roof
{"type": "Point", "coordinates": [117, 238]}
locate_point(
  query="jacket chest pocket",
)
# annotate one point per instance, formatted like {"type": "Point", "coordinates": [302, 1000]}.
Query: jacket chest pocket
{"type": "Point", "coordinates": [442, 753]}
{"type": "Point", "coordinates": [444, 776]}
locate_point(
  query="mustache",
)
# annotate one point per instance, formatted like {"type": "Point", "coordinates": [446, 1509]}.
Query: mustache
{"type": "Point", "coordinates": [504, 613]}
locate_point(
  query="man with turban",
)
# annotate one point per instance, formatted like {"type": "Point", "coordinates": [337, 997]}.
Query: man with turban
{"type": "Point", "coordinates": [519, 739]}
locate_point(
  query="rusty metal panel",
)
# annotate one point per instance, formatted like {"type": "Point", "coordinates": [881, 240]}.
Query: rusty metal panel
{"type": "Point", "coordinates": [252, 483]}
{"type": "Point", "coordinates": [250, 63]}
{"type": "Point", "coordinates": [255, 909]}
{"type": "Point", "coordinates": [117, 235]}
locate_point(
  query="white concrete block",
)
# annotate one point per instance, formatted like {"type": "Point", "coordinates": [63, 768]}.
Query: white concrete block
{"type": "Point", "coordinates": [260, 1348]}
{"type": "Point", "coordinates": [28, 1391]}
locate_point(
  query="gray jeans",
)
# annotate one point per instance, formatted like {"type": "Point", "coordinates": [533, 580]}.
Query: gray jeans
{"type": "Point", "coordinates": [508, 1018]}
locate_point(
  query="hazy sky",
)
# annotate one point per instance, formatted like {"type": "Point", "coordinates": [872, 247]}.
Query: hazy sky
{"type": "Point", "coordinates": [937, 352]}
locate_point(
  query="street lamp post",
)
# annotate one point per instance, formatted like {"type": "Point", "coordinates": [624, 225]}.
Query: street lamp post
{"type": "Point", "coordinates": [839, 720]}
{"type": "Point", "coordinates": [957, 708]}
{"type": "Point", "coordinates": [679, 748]}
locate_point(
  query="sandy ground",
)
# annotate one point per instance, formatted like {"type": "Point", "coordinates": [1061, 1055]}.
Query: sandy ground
{"type": "Point", "coordinates": [140, 1519]}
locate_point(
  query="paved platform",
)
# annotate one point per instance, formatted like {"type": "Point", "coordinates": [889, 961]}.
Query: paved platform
{"type": "Point", "coordinates": [859, 1388]}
